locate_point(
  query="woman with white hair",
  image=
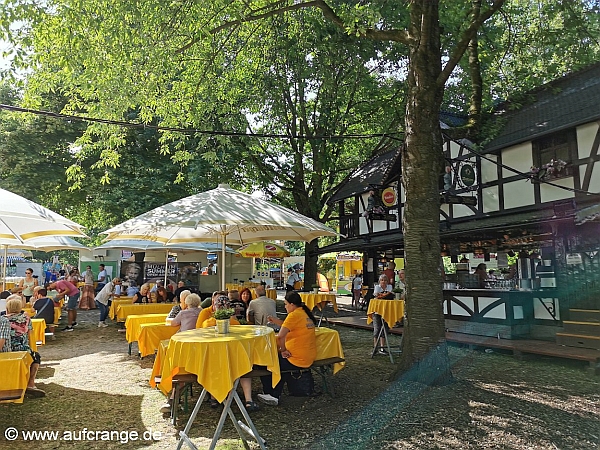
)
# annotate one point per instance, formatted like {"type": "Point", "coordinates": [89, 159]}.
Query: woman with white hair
{"type": "Point", "coordinates": [179, 306]}
{"type": "Point", "coordinates": [20, 335]}
{"type": "Point", "coordinates": [186, 319]}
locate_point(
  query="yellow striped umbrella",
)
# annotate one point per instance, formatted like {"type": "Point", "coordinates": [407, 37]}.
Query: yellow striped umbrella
{"type": "Point", "coordinates": [263, 250]}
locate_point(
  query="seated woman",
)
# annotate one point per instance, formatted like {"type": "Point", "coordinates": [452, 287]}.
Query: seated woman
{"type": "Point", "coordinates": [246, 297]}
{"type": "Point", "coordinates": [20, 334]}
{"type": "Point", "coordinates": [187, 317]}
{"type": "Point", "coordinates": [296, 342]}
{"type": "Point", "coordinates": [383, 291]}
{"type": "Point", "coordinates": [143, 296]}
{"type": "Point", "coordinates": [237, 304]}
{"type": "Point", "coordinates": [180, 306]}
{"type": "Point", "coordinates": [162, 295]}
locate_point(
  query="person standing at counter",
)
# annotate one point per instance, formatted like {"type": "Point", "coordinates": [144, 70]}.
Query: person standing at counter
{"type": "Point", "coordinates": [293, 278]}
{"type": "Point", "coordinates": [390, 272]}
{"type": "Point", "coordinates": [383, 291]}
{"type": "Point", "coordinates": [482, 275]}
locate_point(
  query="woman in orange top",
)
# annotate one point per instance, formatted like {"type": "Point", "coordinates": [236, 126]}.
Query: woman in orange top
{"type": "Point", "coordinates": [296, 341]}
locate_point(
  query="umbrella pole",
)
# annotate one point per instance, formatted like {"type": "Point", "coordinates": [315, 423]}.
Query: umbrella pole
{"type": "Point", "coordinates": [222, 268]}
{"type": "Point", "coordinates": [166, 267]}
{"type": "Point", "coordinates": [4, 267]}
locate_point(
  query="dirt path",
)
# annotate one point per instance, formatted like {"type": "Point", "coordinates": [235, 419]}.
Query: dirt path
{"type": "Point", "coordinates": [496, 402]}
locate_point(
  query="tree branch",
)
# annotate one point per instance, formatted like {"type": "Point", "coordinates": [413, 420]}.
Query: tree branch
{"type": "Point", "coordinates": [376, 35]}
{"type": "Point", "coordinates": [463, 43]}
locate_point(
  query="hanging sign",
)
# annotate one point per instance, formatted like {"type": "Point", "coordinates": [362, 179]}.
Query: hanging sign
{"type": "Point", "coordinates": [388, 196]}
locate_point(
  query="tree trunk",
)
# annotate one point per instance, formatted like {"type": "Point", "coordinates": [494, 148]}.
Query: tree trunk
{"type": "Point", "coordinates": [424, 348]}
{"type": "Point", "coordinates": [310, 263]}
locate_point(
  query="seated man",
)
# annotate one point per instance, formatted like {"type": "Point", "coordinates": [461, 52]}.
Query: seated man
{"type": "Point", "coordinates": [260, 308]}
{"type": "Point", "coordinates": [44, 307]}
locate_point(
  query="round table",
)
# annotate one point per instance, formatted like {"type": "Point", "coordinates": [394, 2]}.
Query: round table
{"type": "Point", "coordinates": [318, 300]}
{"type": "Point", "coordinates": [218, 360]}
{"type": "Point", "coordinates": [390, 310]}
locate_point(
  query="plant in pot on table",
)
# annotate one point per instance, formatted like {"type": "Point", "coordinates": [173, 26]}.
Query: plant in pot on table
{"type": "Point", "coordinates": [222, 317]}
{"type": "Point", "coordinates": [398, 293]}
{"type": "Point", "coordinates": [315, 288]}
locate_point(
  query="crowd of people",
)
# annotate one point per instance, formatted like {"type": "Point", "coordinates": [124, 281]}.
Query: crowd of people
{"type": "Point", "coordinates": [296, 339]}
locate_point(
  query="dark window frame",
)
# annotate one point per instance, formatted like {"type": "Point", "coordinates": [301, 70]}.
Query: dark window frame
{"type": "Point", "coordinates": [559, 145]}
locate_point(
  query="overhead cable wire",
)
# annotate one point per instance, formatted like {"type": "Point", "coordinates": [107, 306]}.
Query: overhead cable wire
{"type": "Point", "coordinates": [125, 124]}
{"type": "Point", "coordinates": [527, 176]}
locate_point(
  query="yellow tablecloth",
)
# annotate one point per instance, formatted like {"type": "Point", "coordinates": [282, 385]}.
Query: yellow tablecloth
{"type": "Point", "coordinates": [218, 359]}
{"type": "Point", "coordinates": [150, 336]}
{"type": "Point", "coordinates": [329, 346]}
{"type": "Point", "coordinates": [271, 293]}
{"type": "Point", "coordinates": [57, 313]}
{"type": "Point", "coordinates": [318, 300]}
{"type": "Point", "coordinates": [112, 312]}
{"type": "Point", "coordinates": [14, 372]}
{"type": "Point", "coordinates": [38, 334]}
{"type": "Point", "coordinates": [239, 287]}
{"type": "Point", "coordinates": [391, 310]}
{"type": "Point", "coordinates": [123, 311]}
{"type": "Point", "coordinates": [134, 322]}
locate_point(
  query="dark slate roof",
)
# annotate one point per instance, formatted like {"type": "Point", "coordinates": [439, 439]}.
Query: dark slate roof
{"type": "Point", "coordinates": [377, 171]}
{"type": "Point", "coordinates": [563, 103]}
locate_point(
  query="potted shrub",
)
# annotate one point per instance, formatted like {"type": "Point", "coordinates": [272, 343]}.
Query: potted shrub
{"type": "Point", "coordinates": [222, 317]}
{"type": "Point", "coordinates": [398, 293]}
{"type": "Point", "coordinates": [315, 288]}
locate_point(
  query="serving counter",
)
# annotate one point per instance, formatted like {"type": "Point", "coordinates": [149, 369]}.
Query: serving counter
{"type": "Point", "coordinates": [506, 314]}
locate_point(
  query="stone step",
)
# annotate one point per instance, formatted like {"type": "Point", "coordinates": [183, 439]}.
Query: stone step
{"type": "Point", "coordinates": [585, 328]}
{"type": "Point", "coordinates": [577, 340]}
{"type": "Point", "coordinates": [584, 315]}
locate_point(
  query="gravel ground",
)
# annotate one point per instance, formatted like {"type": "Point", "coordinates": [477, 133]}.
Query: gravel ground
{"type": "Point", "coordinates": [496, 402]}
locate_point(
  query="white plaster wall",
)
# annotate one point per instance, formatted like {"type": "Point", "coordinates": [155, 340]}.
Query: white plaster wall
{"type": "Point", "coordinates": [550, 193]}
{"type": "Point", "coordinates": [446, 208]}
{"type": "Point", "coordinates": [454, 149]}
{"type": "Point", "coordinates": [362, 225]}
{"type": "Point", "coordinates": [499, 312]}
{"type": "Point", "coordinates": [458, 310]}
{"type": "Point", "coordinates": [540, 312]}
{"type": "Point", "coordinates": [519, 157]}
{"type": "Point", "coordinates": [595, 181]}
{"type": "Point", "coordinates": [585, 138]}
{"type": "Point", "coordinates": [489, 169]}
{"type": "Point", "coordinates": [518, 193]}
{"type": "Point", "coordinates": [490, 199]}
{"type": "Point", "coordinates": [462, 211]}
{"type": "Point", "coordinates": [379, 225]}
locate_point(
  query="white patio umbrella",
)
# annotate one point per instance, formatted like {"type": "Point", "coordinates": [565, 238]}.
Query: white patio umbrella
{"type": "Point", "coordinates": [53, 243]}
{"type": "Point", "coordinates": [223, 214]}
{"type": "Point", "coordinates": [22, 220]}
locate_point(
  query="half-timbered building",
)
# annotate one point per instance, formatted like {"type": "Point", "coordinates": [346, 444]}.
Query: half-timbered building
{"type": "Point", "coordinates": [532, 190]}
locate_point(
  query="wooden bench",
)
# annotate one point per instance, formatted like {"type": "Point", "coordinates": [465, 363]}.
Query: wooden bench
{"type": "Point", "coordinates": [182, 385]}
{"type": "Point", "coordinates": [11, 394]}
{"type": "Point", "coordinates": [323, 367]}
